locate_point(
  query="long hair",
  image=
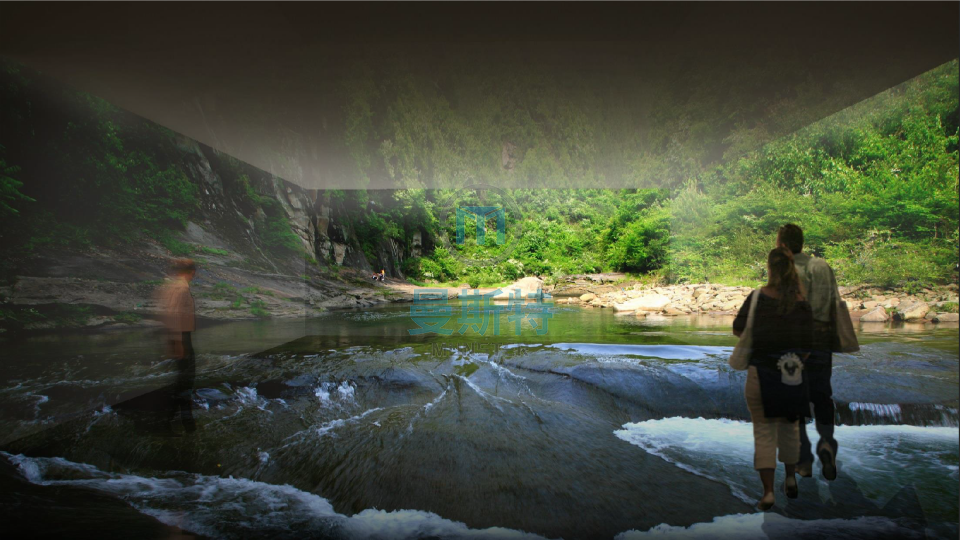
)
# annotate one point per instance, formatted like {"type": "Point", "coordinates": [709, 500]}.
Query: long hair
{"type": "Point", "coordinates": [784, 278]}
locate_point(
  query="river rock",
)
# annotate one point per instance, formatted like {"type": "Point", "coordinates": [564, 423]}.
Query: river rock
{"type": "Point", "coordinates": [674, 310]}
{"type": "Point", "coordinates": [914, 312]}
{"type": "Point", "coordinates": [732, 304]}
{"type": "Point", "coordinates": [587, 297]}
{"type": "Point", "coordinates": [876, 315]}
{"type": "Point", "coordinates": [651, 303]}
{"type": "Point", "coordinates": [869, 305]}
{"type": "Point", "coordinates": [947, 317]}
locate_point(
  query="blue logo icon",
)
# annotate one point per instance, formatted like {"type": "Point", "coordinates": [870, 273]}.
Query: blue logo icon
{"type": "Point", "coordinates": [481, 214]}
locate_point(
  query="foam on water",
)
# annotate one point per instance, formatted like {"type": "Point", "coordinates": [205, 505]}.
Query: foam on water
{"type": "Point", "coordinates": [248, 397]}
{"type": "Point", "coordinates": [880, 459]}
{"type": "Point", "coordinates": [338, 395]}
{"type": "Point", "coordinates": [887, 411]}
{"type": "Point", "coordinates": [774, 526]}
{"type": "Point", "coordinates": [327, 427]}
{"type": "Point", "coordinates": [240, 508]}
{"type": "Point", "coordinates": [489, 398]}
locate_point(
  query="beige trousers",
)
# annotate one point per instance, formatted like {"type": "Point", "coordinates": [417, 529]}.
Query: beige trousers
{"type": "Point", "coordinates": [773, 437]}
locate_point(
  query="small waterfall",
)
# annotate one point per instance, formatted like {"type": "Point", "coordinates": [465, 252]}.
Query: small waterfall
{"type": "Point", "coordinates": [866, 413]}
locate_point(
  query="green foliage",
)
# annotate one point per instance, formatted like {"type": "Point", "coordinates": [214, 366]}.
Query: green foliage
{"type": "Point", "coordinates": [254, 290]}
{"type": "Point", "coordinates": [891, 262]}
{"type": "Point", "coordinates": [214, 251]}
{"type": "Point", "coordinates": [884, 168]}
{"type": "Point", "coordinates": [259, 309]}
{"type": "Point", "coordinates": [95, 172]}
{"type": "Point", "coordinates": [15, 318]}
{"type": "Point", "coordinates": [174, 245]}
{"type": "Point", "coordinates": [10, 195]}
{"type": "Point", "coordinates": [639, 232]}
{"type": "Point", "coordinates": [56, 316]}
{"type": "Point", "coordinates": [129, 318]}
{"type": "Point", "coordinates": [222, 290]}
{"type": "Point", "coordinates": [875, 187]}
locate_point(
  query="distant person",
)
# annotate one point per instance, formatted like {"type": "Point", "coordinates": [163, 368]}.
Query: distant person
{"type": "Point", "coordinates": [821, 288]}
{"type": "Point", "coordinates": [775, 392]}
{"type": "Point", "coordinates": [383, 275]}
{"type": "Point", "coordinates": [177, 306]}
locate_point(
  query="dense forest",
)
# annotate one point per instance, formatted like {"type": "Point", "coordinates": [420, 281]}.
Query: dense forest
{"type": "Point", "coordinates": [875, 186]}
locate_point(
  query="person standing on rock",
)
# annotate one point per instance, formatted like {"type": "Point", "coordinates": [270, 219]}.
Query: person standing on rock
{"type": "Point", "coordinates": [177, 308]}
{"type": "Point", "coordinates": [821, 290]}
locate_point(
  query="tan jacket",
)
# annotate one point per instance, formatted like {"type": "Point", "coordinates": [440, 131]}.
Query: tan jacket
{"type": "Point", "coordinates": [819, 284]}
{"type": "Point", "coordinates": [177, 306]}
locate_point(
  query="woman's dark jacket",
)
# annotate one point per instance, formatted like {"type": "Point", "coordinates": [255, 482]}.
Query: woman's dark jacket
{"type": "Point", "coordinates": [774, 335]}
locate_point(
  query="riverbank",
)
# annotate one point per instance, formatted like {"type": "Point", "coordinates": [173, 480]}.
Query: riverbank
{"type": "Point", "coordinates": [115, 288]}
{"type": "Point", "coordinates": [866, 303]}
{"type": "Point", "coordinates": [112, 289]}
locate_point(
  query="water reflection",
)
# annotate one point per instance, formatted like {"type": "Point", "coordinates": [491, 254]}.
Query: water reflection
{"type": "Point", "coordinates": [346, 420]}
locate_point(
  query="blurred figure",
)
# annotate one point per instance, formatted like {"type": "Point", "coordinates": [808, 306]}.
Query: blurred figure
{"type": "Point", "coordinates": [775, 391]}
{"type": "Point", "coordinates": [177, 306]}
{"type": "Point", "coordinates": [821, 289]}
{"type": "Point", "coordinates": [383, 275]}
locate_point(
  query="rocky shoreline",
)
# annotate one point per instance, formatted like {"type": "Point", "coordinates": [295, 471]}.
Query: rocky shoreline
{"type": "Point", "coordinates": [867, 304]}
{"type": "Point", "coordinates": [120, 295]}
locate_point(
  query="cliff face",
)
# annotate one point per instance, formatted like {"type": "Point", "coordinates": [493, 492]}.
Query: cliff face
{"type": "Point", "coordinates": [233, 235]}
{"type": "Point", "coordinates": [108, 199]}
{"type": "Point", "coordinates": [322, 225]}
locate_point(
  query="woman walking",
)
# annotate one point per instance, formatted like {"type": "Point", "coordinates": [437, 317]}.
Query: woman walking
{"type": "Point", "coordinates": [776, 395]}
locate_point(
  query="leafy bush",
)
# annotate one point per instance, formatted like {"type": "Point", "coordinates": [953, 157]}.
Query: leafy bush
{"type": "Point", "coordinates": [259, 309]}
{"type": "Point", "coordinates": [129, 318]}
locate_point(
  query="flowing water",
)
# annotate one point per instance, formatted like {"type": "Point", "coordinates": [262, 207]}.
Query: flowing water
{"type": "Point", "coordinates": [349, 426]}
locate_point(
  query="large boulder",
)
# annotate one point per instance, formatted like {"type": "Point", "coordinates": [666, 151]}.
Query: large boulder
{"type": "Point", "coordinates": [588, 297]}
{"type": "Point", "coordinates": [947, 317]}
{"type": "Point", "coordinates": [877, 315]}
{"type": "Point", "coordinates": [675, 310]}
{"type": "Point", "coordinates": [650, 303]}
{"type": "Point", "coordinates": [914, 312]}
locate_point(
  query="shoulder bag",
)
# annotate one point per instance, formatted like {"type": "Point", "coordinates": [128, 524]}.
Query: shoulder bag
{"type": "Point", "coordinates": [741, 355]}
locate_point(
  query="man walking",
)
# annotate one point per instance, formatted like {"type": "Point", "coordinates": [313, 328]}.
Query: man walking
{"type": "Point", "coordinates": [177, 305]}
{"type": "Point", "coordinates": [821, 290]}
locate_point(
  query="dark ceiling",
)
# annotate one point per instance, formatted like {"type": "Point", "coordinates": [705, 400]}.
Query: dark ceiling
{"type": "Point", "coordinates": [203, 68]}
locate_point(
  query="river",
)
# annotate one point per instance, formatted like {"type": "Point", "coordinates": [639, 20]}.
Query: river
{"type": "Point", "coordinates": [347, 425]}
